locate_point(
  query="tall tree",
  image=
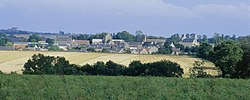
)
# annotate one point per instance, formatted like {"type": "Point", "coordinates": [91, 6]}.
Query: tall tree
{"type": "Point", "coordinates": [50, 41]}
{"type": "Point", "coordinates": [243, 70]}
{"type": "Point", "coordinates": [166, 49]}
{"type": "Point", "coordinates": [204, 51]}
{"type": "Point", "coordinates": [226, 56]}
{"type": "Point", "coordinates": [125, 36]}
{"type": "Point", "coordinates": [34, 38]}
{"type": "Point", "coordinates": [139, 36]}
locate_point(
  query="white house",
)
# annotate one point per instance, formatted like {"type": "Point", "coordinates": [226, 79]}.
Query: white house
{"type": "Point", "coordinates": [97, 41]}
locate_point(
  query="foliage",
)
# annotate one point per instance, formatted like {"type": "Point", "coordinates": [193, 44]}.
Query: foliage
{"type": "Point", "coordinates": [44, 87]}
{"type": "Point", "coordinates": [82, 37]}
{"type": "Point", "coordinates": [91, 49]}
{"type": "Point", "coordinates": [100, 68]}
{"type": "Point", "coordinates": [50, 41]}
{"type": "Point", "coordinates": [135, 68]}
{"type": "Point", "coordinates": [105, 50]}
{"type": "Point", "coordinates": [139, 37]}
{"type": "Point", "coordinates": [1, 72]}
{"type": "Point", "coordinates": [166, 49]}
{"type": "Point", "coordinates": [164, 68]}
{"type": "Point", "coordinates": [197, 71]}
{"type": "Point", "coordinates": [204, 51]}
{"type": "Point", "coordinates": [54, 48]}
{"type": "Point", "coordinates": [34, 38]}
{"type": "Point", "coordinates": [126, 36]}
{"type": "Point", "coordinates": [243, 69]}
{"type": "Point", "coordinates": [181, 46]}
{"type": "Point", "coordinates": [40, 64]}
{"type": "Point", "coordinates": [4, 41]}
{"type": "Point", "coordinates": [175, 38]}
{"type": "Point", "coordinates": [226, 56]}
{"type": "Point", "coordinates": [161, 68]}
{"type": "Point", "coordinates": [98, 36]}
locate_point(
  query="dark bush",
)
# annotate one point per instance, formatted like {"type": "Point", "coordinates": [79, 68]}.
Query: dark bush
{"type": "Point", "coordinates": [40, 64]}
{"type": "Point", "coordinates": [161, 68]}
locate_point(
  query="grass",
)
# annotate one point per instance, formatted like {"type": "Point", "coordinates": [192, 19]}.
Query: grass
{"type": "Point", "coordinates": [14, 60]}
{"type": "Point", "coordinates": [27, 87]}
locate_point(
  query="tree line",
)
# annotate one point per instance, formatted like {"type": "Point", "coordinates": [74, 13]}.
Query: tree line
{"type": "Point", "coordinates": [41, 64]}
{"type": "Point", "coordinates": [231, 56]}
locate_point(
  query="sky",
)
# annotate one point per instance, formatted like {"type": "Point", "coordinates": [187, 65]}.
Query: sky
{"type": "Point", "coordinates": [153, 17]}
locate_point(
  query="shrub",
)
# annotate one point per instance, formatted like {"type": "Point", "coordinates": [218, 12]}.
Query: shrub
{"type": "Point", "coordinates": [40, 64]}
{"type": "Point", "coordinates": [197, 71]}
{"type": "Point", "coordinates": [161, 68]}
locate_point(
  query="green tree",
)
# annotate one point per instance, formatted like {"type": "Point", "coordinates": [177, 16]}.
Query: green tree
{"type": "Point", "coordinates": [41, 64]}
{"type": "Point", "coordinates": [164, 68]}
{"type": "Point", "coordinates": [4, 41]}
{"type": "Point", "coordinates": [139, 36]}
{"type": "Point", "coordinates": [126, 36]}
{"type": "Point", "coordinates": [54, 48]}
{"type": "Point", "coordinates": [34, 38]}
{"type": "Point", "coordinates": [243, 69]}
{"type": "Point", "coordinates": [197, 71]}
{"type": "Point", "coordinates": [50, 41]}
{"type": "Point", "coordinates": [135, 68]}
{"type": "Point", "coordinates": [98, 36]}
{"type": "Point", "coordinates": [226, 56]}
{"type": "Point", "coordinates": [166, 49]}
{"type": "Point", "coordinates": [91, 49]}
{"type": "Point", "coordinates": [114, 69]}
{"type": "Point", "coordinates": [204, 51]}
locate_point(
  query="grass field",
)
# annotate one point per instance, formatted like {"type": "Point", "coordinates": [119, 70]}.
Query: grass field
{"type": "Point", "coordinates": [14, 60]}
{"type": "Point", "coordinates": [26, 87]}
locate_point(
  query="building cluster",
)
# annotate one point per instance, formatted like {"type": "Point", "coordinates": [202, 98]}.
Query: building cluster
{"type": "Point", "coordinates": [106, 44]}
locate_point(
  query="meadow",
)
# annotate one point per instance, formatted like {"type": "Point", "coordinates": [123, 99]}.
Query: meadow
{"type": "Point", "coordinates": [26, 87]}
{"type": "Point", "coordinates": [14, 60]}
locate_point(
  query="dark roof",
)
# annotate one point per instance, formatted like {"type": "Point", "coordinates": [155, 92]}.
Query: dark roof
{"type": "Point", "coordinates": [156, 40]}
{"type": "Point", "coordinates": [148, 44]}
{"type": "Point", "coordinates": [135, 43]}
{"type": "Point", "coordinates": [188, 40]}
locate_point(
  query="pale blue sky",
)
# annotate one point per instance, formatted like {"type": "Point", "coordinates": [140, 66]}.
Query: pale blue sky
{"type": "Point", "coordinates": [153, 17]}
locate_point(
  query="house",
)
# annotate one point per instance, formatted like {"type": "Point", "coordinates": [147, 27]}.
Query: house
{"type": "Point", "coordinates": [189, 42]}
{"type": "Point", "coordinates": [38, 46]}
{"type": "Point", "coordinates": [20, 45]}
{"type": "Point", "coordinates": [175, 51]}
{"type": "Point", "coordinates": [144, 51]}
{"type": "Point", "coordinates": [154, 43]}
{"type": "Point", "coordinates": [77, 43]}
{"type": "Point", "coordinates": [63, 46]}
{"type": "Point", "coordinates": [152, 50]}
{"type": "Point", "coordinates": [63, 39]}
{"type": "Point", "coordinates": [135, 46]}
{"type": "Point", "coordinates": [133, 51]}
{"type": "Point", "coordinates": [157, 41]}
{"type": "Point", "coordinates": [117, 41]}
{"type": "Point", "coordinates": [97, 41]}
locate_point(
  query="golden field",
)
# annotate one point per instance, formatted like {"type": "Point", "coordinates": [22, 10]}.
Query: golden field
{"type": "Point", "coordinates": [14, 60]}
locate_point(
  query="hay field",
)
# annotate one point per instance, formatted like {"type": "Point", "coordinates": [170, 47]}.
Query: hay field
{"type": "Point", "coordinates": [14, 60]}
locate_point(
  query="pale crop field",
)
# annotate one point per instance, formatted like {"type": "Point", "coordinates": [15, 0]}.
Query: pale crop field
{"type": "Point", "coordinates": [14, 60]}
